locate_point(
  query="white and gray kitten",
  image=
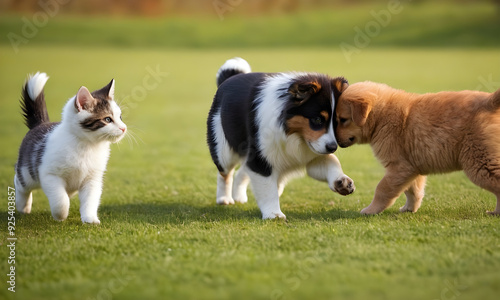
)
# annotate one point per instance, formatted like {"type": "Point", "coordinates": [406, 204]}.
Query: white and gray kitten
{"type": "Point", "coordinates": [69, 156]}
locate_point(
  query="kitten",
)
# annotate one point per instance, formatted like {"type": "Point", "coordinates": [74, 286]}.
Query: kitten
{"type": "Point", "coordinates": [70, 156]}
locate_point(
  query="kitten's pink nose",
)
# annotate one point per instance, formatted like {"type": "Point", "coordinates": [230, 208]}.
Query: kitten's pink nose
{"type": "Point", "coordinates": [123, 129]}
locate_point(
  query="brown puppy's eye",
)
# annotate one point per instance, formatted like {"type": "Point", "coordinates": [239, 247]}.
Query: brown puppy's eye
{"type": "Point", "coordinates": [343, 120]}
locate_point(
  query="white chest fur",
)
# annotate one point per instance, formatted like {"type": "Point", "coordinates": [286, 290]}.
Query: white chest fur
{"type": "Point", "coordinates": [73, 160]}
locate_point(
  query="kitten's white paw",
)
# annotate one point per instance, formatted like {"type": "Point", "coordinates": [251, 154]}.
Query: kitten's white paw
{"type": "Point", "coordinates": [273, 215]}
{"type": "Point", "coordinates": [91, 220]}
{"type": "Point", "coordinates": [60, 215]}
{"type": "Point", "coordinates": [25, 210]}
{"type": "Point", "coordinates": [225, 200]}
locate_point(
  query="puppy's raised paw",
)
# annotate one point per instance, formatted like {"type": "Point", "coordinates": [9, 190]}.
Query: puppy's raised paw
{"type": "Point", "coordinates": [344, 185]}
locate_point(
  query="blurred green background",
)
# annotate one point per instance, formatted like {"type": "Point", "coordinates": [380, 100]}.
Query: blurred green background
{"type": "Point", "coordinates": [162, 236]}
{"type": "Point", "coordinates": [252, 23]}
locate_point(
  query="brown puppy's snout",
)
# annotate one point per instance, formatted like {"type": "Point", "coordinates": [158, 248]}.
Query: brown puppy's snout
{"type": "Point", "coordinates": [346, 143]}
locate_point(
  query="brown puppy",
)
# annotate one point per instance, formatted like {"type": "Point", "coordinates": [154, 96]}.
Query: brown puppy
{"type": "Point", "coordinates": [414, 135]}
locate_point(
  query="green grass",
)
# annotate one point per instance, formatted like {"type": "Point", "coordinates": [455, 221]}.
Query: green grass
{"type": "Point", "coordinates": [163, 237]}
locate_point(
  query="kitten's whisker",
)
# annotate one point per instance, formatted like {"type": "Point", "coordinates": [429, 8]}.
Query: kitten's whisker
{"type": "Point", "coordinates": [134, 136]}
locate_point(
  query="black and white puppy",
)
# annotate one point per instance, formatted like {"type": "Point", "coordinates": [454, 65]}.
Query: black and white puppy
{"type": "Point", "coordinates": [274, 125]}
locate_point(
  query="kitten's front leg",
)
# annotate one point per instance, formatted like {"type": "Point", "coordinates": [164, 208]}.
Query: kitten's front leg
{"type": "Point", "coordinates": [90, 196]}
{"type": "Point", "coordinates": [327, 168]}
{"type": "Point", "coordinates": [55, 189]}
{"type": "Point", "coordinates": [266, 194]}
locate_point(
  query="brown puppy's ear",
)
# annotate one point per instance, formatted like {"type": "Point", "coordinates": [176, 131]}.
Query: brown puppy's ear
{"type": "Point", "coordinates": [361, 108]}
{"type": "Point", "coordinates": [301, 91]}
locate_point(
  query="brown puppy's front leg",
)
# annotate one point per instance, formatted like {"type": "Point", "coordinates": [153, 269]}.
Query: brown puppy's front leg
{"type": "Point", "coordinates": [414, 194]}
{"type": "Point", "coordinates": [388, 190]}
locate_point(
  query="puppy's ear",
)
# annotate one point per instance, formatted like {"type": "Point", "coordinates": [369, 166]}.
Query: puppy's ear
{"type": "Point", "coordinates": [301, 91]}
{"type": "Point", "coordinates": [360, 108]}
{"type": "Point", "coordinates": [339, 85]}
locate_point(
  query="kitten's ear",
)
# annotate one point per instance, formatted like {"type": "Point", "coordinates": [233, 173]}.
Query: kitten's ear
{"type": "Point", "coordinates": [111, 91]}
{"type": "Point", "coordinates": [83, 99]}
{"type": "Point", "coordinates": [107, 92]}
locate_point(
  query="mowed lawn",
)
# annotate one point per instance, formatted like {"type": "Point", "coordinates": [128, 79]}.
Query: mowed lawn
{"type": "Point", "coordinates": [163, 237]}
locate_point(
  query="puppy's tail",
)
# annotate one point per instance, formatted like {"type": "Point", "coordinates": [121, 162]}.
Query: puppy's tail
{"type": "Point", "coordinates": [33, 100]}
{"type": "Point", "coordinates": [232, 67]}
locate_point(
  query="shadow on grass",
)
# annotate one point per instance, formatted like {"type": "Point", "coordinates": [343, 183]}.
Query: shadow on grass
{"type": "Point", "coordinates": [181, 213]}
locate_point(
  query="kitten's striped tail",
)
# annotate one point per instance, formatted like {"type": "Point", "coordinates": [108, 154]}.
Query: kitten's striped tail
{"type": "Point", "coordinates": [33, 100]}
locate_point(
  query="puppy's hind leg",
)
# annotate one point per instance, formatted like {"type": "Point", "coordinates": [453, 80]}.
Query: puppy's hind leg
{"type": "Point", "coordinates": [487, 177]}
{"type": "Point", "coordinates": [240, 185]}
{"type": "Point", "coordinates": [224, 188]}
{"type": "Point", "coordinates": [496, 212]}
{"type": "Point", "coordinates": [414, 195]}
{"type": "Point", "coordinates": [226, 161]}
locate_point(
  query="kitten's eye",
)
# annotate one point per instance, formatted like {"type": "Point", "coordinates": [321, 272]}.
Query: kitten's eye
{"type": "Point", "coordinates": [121, 118]}
{"type": "Point", "coordinates": [317, 121]}
{"type": "Point", "coordinates": [108, 120]}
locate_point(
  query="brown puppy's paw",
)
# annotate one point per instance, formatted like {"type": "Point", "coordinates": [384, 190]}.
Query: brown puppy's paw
{"type": "Point", "coordinates": [344, 185]}
{"type": "Point", "coordinates": [369, 210]}
{"type": "Point", "coordinates": [493, 213]}
{"type": "Point", "coordinates": [407, 208]}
